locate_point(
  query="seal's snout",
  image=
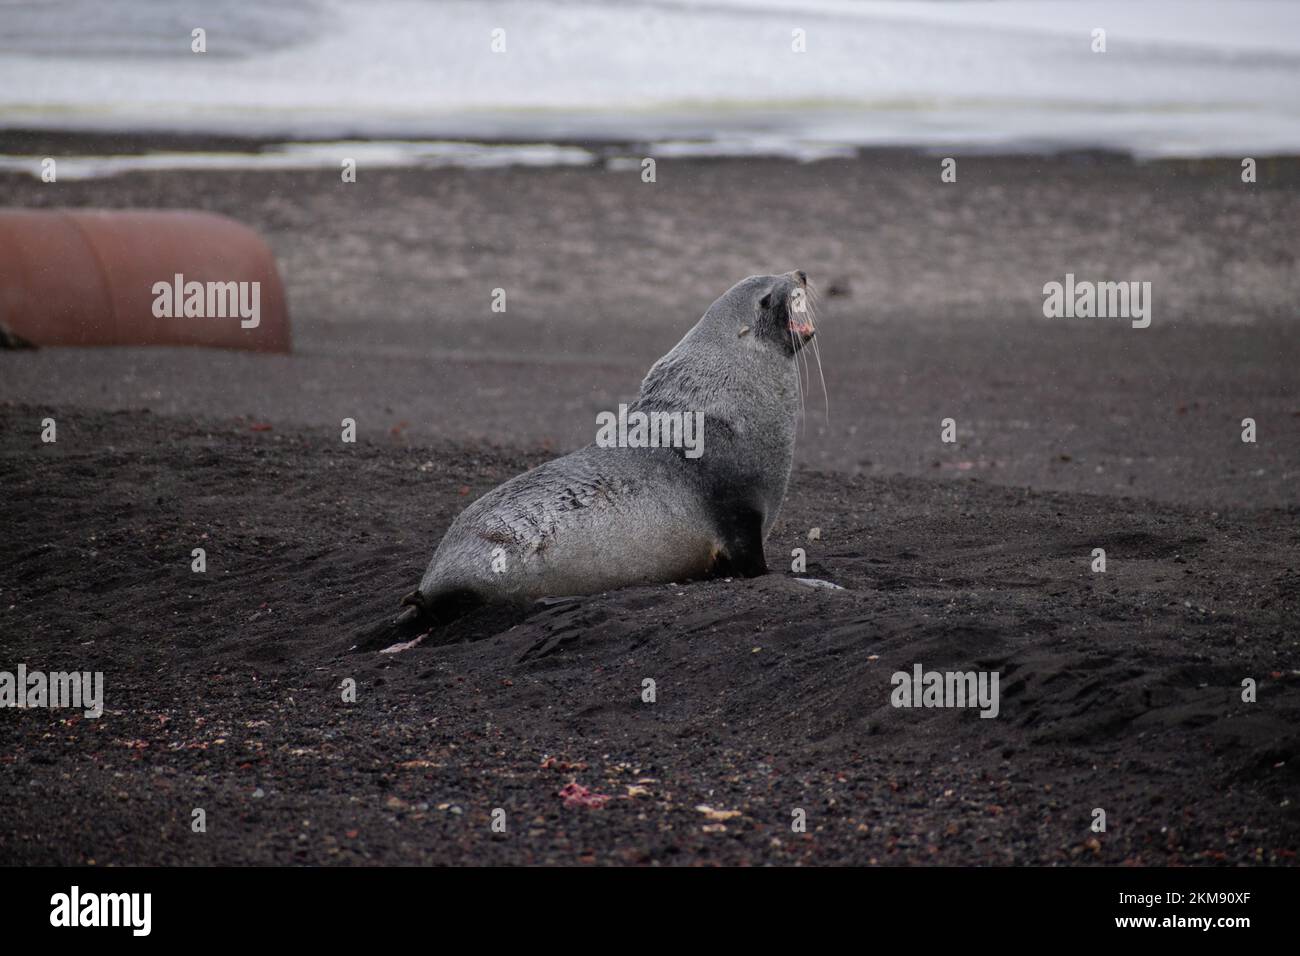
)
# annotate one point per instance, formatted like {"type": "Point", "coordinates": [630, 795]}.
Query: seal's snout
{"type": "Point", "coordinates": [801, 323]}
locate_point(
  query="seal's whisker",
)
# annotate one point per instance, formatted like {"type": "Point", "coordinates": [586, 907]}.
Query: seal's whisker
{"type": "Point", "coordinates": [807, 377]}
{"type": "Point", "coordinates": [800, 359]}
{"type": "Point", "coordinates": [798, 381]}
{"type": "Point", "coordinates": [813, 301]}
{"type": "Point", "coordinates": [817, 354]}
{"type": "Point", "coordinates": [807, 371]}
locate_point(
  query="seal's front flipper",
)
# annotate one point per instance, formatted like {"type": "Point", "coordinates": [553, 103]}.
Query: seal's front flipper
{"type": "Point", "coordinates": [742, 544]}
{"type": "Point", "coordinates": [419, 615]}
{"type": "Point", "coordinates": [406, 626]}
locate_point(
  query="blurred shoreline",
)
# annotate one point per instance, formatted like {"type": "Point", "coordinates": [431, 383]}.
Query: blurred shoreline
{"type": "Point", "coordinates": [1162, 78]}
{"type": "Point", "coordinates": [91, 154]}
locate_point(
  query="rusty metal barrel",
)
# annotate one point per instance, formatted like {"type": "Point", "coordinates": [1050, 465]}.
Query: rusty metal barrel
{"type": "Point", "coordinates": [139, 277]}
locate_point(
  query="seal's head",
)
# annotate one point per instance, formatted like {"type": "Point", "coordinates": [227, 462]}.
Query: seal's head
{"type": "Point", "coordinates": [777, 310]}
{"type": "Point", "coordinates": [743, 357]}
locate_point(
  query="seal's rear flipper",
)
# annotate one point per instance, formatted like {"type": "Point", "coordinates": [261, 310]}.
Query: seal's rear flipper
{"type": "Point", "coordinates": [418, 617]}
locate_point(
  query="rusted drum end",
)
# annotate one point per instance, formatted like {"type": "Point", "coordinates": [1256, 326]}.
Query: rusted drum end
{"type": "Point", "coordinates": [139, 277]}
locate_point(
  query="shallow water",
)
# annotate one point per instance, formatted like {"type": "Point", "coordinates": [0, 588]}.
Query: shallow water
{"type": "Point", "coordinates": [1178, 78]}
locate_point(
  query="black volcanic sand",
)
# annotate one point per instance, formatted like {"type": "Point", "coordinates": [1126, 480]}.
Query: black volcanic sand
{"type": "Point", "coordinates": [1119, 691]}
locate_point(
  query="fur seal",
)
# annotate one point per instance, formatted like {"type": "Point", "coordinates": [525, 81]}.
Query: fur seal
{"type": "Point", "coordinates": [609, 517]}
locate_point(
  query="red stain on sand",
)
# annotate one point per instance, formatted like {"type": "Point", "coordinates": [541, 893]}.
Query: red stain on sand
{"type": "Point", "coordinates": [576, 795]}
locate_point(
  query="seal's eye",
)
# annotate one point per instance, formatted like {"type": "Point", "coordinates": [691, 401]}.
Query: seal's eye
{"type": "Point", "coordinates": [765, 302]}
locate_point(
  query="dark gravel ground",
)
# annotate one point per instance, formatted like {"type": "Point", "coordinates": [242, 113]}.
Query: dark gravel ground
{"type": "Point", "coordinates": [1119, 691]}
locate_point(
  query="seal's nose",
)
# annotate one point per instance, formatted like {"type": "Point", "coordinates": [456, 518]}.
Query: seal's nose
{"type": "Point", "coordinates": [801, 276]}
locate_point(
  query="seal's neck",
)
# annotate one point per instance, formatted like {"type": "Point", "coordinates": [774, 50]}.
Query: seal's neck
{"type": "Point", "coordinates": [747, 388]}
